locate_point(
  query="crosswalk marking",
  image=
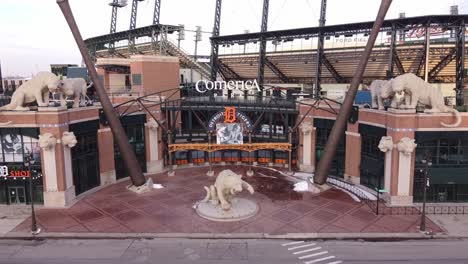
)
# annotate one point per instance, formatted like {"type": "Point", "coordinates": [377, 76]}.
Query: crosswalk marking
{"type": "Point", "coordinates": [292, 243]}
{"type": "Point", "coordinates": [336, 262]}
{"type": "Point", "coordinates": [307, 250]}
{"type": "Point", "coordinates": [303, 246]}
{"type": "Point", "coordinates": [314, 255]}
{"type": "Point", "coordinates": [320, 259]}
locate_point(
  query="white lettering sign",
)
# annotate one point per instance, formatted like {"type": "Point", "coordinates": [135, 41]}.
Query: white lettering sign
{"type": "Point", "coordinates": [202, 85]}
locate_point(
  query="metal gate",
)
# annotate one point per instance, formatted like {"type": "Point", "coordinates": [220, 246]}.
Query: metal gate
{"type": "Point", "coordinates": [134, 127]}
{"type": "Point", "coordinates": [85, 156]}
{"type": "Point", "coordinates": [372, 159]}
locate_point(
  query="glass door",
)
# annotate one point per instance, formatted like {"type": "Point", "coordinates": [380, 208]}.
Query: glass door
{"type": "Point", "coordinates": [17, 195]}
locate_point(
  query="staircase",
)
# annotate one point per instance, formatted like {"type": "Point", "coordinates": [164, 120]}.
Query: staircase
{"type": "Point", "coordinates": [173, 50]}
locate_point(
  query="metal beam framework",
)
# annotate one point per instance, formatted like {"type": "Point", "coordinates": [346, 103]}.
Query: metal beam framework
{"type": "Point", "coordinates": [332, 70]}
{"type": "Point", "coordinates": [262, 50]}
{"type": "Point", "coordinates": [100, 41]}
{"type": "Point", "coordinates": [277, 71]}
{"type": "Point", "coordinates": [391, 53]}
{"type": "Point", "coordinates": [156, 16]}
{"type": "Point", "coordinates": [422, 61]}
{"type": "Point", "coordinates": [113, 27]}
{"type": "Point", "coordinates": [399, 65]}
{"type": "Point", "coordinates": [227, 72]}
{"type": "Point", "coordinates": [133, 19]}
{"type": "Point", "coordinates": [320, 50]}
{"type": "Point", "coordinates": [442, 64]}
{"type": "Point", "coordinates": [214, 46]}
{"type": "Point", "coordinates": [353, 28]}
{"type": "Point", "coordinates": [460, 63]}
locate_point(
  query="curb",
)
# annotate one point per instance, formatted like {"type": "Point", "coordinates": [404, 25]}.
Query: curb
{"type": "Point", "coordinates": [288, 236]}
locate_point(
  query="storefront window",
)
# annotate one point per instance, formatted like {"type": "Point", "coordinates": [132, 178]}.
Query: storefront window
{"type": "Point", "coordinates": [14, 183]}
{"type": "Point", "coordinates": [448, 175]}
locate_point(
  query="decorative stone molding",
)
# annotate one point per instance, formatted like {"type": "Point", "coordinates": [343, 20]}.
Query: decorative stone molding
{"type": "Point", "coordinates": [47, 141]}
{"type": "Point", "coordinates": [406, 146]}
{"type": "Point", "coordinates": [152, 124]}
{"type": "Point", "coordinates": [386, 144]}
{"type": "Point", "coordinates": [306, 128]}
{"type": "Point", "coordinates": [69, 139]}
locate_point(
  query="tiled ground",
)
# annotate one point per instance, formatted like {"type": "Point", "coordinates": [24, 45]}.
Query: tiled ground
{"type": "Point", "coordinates": [116, 210]}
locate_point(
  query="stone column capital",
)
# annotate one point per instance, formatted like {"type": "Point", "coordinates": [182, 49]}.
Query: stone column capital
{"type": "Point", "coordinates": [69, 139]}
{"type": "Point", "coordinates": [306, 128]}
{"type": "Point", "coordinates": [406, 146]}
{"type": "Point", "coordinates": [47, 141]}
{"type": "Point", "coordinates": [152, 124]}
{"type": "Point", "coordinates": [386, 144]}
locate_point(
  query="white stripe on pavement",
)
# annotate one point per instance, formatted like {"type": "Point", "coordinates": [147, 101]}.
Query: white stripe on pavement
{"type": "Point", "coordinates": [336, 262]}
{"type": "Point", "coordinates": [313, 255]}
{"type": "Point", "coordinates": [292, 243]}
{"type": "Point", "coordinates": [318, 260]}
{"type": "Point", "coordinates": [307, 250]}
{"type": "Point", "coordinates": [303, 246]}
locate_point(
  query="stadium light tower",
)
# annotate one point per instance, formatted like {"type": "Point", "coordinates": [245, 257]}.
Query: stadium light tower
{"type": "Point", "coordinates": [133, 18]}
{"type": "Point", "coordinates": [116, 4]}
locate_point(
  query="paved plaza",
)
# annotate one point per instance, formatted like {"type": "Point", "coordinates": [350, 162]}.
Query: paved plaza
{"type": "Point", "coordinates": [114, 209]}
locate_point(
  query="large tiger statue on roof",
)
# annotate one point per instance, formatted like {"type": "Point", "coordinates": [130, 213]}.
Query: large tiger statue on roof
{"type": "Point", "coordinates": [35, 90]}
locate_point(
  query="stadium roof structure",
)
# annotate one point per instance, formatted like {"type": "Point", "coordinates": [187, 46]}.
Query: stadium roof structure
{"type": "Point", "coordinates": [344, 45]}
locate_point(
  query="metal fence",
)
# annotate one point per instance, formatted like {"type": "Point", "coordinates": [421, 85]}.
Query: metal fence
{"type": "Point", "coordinates": [379, 207]}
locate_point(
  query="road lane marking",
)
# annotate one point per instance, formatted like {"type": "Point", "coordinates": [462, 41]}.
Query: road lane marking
{"type": "Point", "coordinates": [336, 262]}
{"type": "Point", "coordinates": [307, 250]}
{"type": "Point", "coordinates": [292, 243]}
{"type": "Point", "coordinates": [314, 255]}
{"type": "Point", "coordinates": [320, 259]}
{"type": "Point", "coordinates": [303, 246]}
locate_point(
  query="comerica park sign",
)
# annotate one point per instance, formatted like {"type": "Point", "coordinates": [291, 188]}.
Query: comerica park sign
{"type": "Point", "coordinates": [202, 86]}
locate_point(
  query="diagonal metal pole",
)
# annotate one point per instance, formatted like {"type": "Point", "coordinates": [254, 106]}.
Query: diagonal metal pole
{"type": "Point", "coordinates": [339, 127]}
{"type": "Point", "coordinates": [128, 155]}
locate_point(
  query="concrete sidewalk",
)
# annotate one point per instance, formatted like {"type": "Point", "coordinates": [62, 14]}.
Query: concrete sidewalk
{"type": "Point", "coordinates": [11, 216]}
{"type": "Point", "coordinates": [455, 225]}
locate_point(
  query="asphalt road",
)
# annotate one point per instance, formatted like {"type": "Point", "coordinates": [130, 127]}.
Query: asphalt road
{"type": "Point", "coordinates": [175, 251]}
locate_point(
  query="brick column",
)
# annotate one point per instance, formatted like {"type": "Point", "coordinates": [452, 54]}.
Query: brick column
{"type": "Point", "coordinates": [353, 157]}
{"type": "Point", "coordinates": [59, 190]}
{"type": "Point", "coordinates": [353, 153]}
{"type": "Point", "coordinates": [106, 156]}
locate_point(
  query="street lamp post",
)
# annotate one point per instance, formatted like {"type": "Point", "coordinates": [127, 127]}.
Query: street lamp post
{"type": "Point", "coordinates": [425, 172]}
{"type": "Point", "coordinates": [28, 161]}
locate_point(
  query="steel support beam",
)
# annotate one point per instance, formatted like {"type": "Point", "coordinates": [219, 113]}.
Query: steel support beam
{"type": "Point", "coordinates": [332, 70]}
{"type": "Point", "coordinates": [128, 155]}
{"type": "Point", "coordinates": [113, 25]}
{"type": "Point", "coordinates": [214, 63]}
{"type": "Point", "coordinates": [156, 16]}
{"type": "Point", "coordinates": [277, 71]}
{"type": "Point", "coordinates": [460, 63]}
{"type": "Point", "coordinates": [320, 40]}
{"type": "Point", "coordinates": [398, 64]}
{"type": "Point", "coordinates": [422, 61]}
{"type": "Point", "coordinates": [442, 64]}
{"type": "Point", "coordinates": [227, 72]}
{"type": "Point", "coordinates": [133, 19]}
{"type": "Point", "coordinates": [391, 53]}
{"type": "Point", "coordinates": [262, 50]}
{"type": "Point", "coordinates": [339, 127]}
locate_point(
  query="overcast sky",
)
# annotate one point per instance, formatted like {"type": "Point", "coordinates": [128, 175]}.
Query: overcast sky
{"type": "Point", "coordinates": [34, 33]}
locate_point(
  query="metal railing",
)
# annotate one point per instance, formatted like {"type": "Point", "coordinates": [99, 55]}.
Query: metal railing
{"type": "Point", "coordinates": [379, 207]}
